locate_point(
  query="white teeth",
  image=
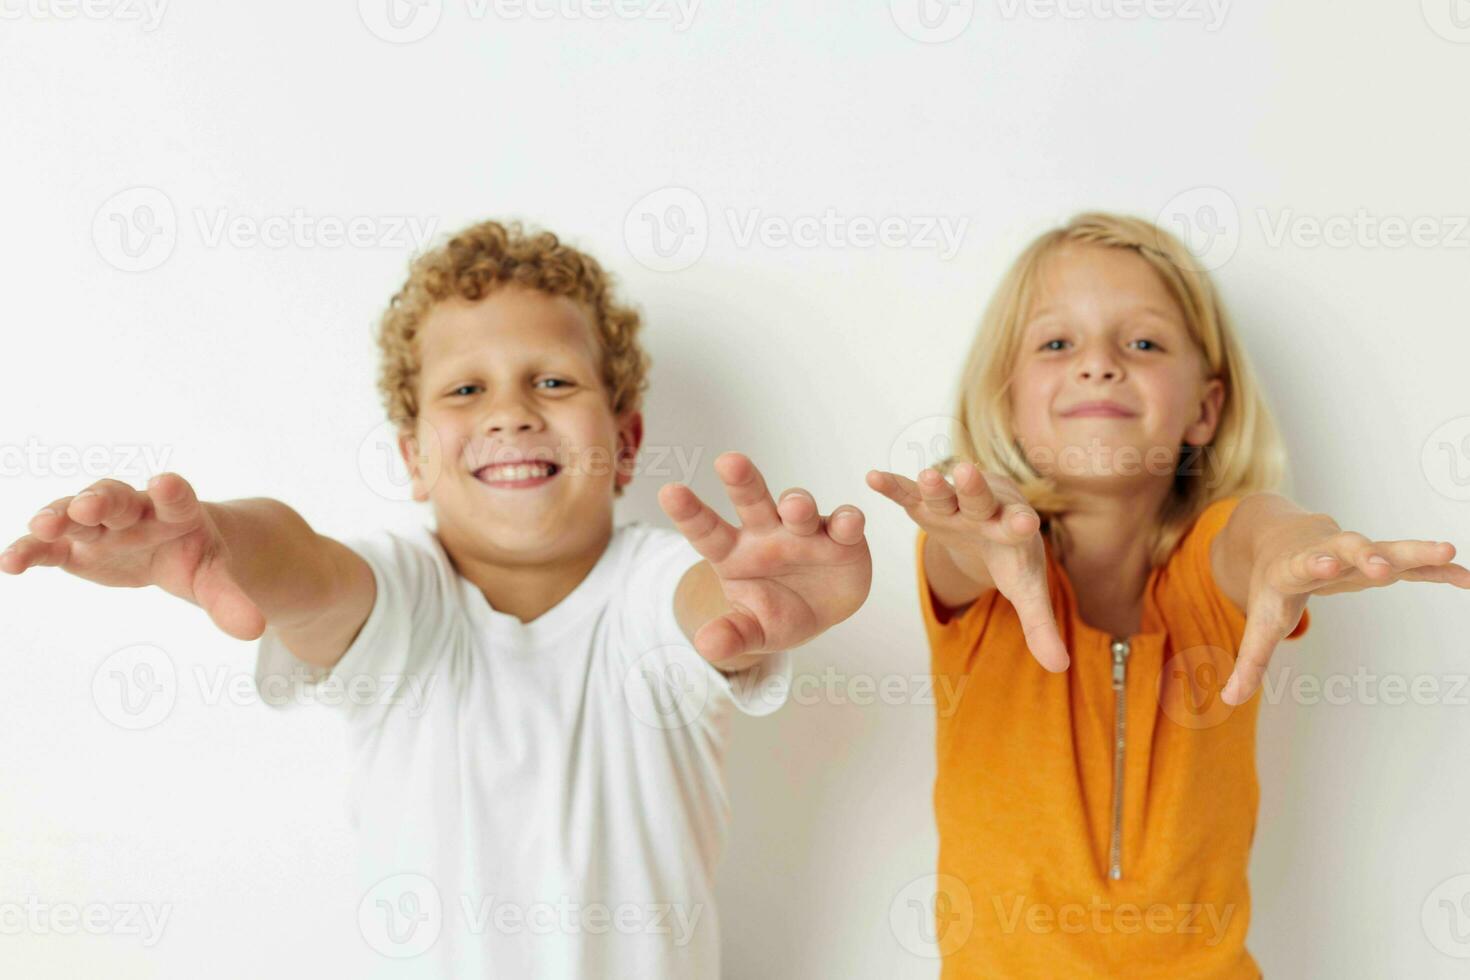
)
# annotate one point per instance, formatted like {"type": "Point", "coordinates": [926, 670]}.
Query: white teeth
{"type": "Point", "coordinates": [515, 471]}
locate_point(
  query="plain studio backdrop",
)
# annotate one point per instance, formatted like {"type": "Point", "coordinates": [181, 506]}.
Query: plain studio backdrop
{"type": "Point", "coordinates": [206, 206]}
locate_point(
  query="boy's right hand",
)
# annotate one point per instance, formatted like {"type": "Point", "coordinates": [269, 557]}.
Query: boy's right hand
{"type": "Point", "coordinates": [114, 535]}
{"type": "Point", "coordinates": [990, 532]}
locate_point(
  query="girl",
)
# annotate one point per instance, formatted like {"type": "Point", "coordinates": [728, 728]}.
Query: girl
{"type": "Point", "coordinates": [1109, 508]}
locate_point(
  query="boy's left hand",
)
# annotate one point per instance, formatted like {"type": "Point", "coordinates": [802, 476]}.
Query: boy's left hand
{"type": "Point", "coordinates": [1309, 556]}
{"type": "Point", "coordinates": [782, 577]}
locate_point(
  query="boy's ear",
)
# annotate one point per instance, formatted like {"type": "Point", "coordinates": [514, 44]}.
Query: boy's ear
{"type": "Point", "coordinates": [1212, 402]}
{"type": "Point", "coordinates": [630, 438]}
{"type": "Point", "coordinates": [417, 462]}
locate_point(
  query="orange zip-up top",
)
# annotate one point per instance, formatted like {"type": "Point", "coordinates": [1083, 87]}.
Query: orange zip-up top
{"type": "Point", "coordinates": [1096, 822]}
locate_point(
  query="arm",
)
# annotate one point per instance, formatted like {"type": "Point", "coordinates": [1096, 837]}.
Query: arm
{"type": "Point", "coordinates": [1271, 556]}
{"type": "Point", "coordinates": [783, 577]}
{"type": "Point", "coordinates": [247, 563]}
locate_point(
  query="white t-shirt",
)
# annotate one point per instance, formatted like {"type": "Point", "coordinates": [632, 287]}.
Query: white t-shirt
{"type": "Point", "coordinates": [540, 799]}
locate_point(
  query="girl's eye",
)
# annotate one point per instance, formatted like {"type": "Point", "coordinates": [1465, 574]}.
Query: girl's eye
{"type": "Point", "coordinates": [1048, 344]}
{"type": "Point", "coordinates": [456, 391]}
{"type": "Point", "coordinates": [1152, 345]}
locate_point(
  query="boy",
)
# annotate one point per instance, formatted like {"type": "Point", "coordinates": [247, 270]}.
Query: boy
{"type": "Point", "coordinates": [537, 701]}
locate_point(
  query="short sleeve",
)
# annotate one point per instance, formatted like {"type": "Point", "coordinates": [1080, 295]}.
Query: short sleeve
{"type": "Point", "coordinates": [397, 644]}
{"type": "Point", "coordinates": [658, 559]}
{"type": "Point", "coordinates": [1194, 553]}
{"type": "Point", "coordinates": [950, 632]}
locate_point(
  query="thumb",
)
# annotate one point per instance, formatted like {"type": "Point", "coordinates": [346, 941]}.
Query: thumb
{"type": "Point", "coordinates": [729, 635]}
{"type": "Point", "coordinates": [227, 604]}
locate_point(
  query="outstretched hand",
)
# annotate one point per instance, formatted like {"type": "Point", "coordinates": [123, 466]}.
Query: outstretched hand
{"type": "Point", "coordinates": [1311, 557]}
{"type": "Point", "coordinates": [989, 529]}
{"type": "Point", "coordinates": [787, 572]}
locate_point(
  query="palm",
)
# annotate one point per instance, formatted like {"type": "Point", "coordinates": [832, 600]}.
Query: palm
{"type": "Point", "coordinates": [787, 572]}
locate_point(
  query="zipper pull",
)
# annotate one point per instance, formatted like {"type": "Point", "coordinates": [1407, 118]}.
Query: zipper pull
{"type": "Point", "coordinates": [1120, 655]}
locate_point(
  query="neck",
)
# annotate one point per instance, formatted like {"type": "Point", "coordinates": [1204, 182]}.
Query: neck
{"type": "Point", "coordinates": [1108, 535]}
{"type": "Point", "coordinates": [527, 588]}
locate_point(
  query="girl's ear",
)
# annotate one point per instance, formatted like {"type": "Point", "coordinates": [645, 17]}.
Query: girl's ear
{"type": "Point", "coordinates": [1212, 402]}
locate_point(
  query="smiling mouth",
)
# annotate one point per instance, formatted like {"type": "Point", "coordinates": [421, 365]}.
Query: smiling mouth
{"type": "Point", "coordinates": [517, 475]}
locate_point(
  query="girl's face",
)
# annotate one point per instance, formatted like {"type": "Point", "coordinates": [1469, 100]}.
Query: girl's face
{"type": "Point", "coordinates": [1108, 383]}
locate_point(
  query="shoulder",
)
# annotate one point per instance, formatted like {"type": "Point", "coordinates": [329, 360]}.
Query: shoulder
{"type": "Point", "coordinates": [407, 554]}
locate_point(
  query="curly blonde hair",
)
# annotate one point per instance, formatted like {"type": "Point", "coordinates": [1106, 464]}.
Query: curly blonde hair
{"type": "Point", "coordinates": [471, 265]}
{"type": "Point", "coordinates": [1247, 449]}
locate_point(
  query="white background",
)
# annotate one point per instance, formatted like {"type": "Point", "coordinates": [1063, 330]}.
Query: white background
{"type": "Point", "coordinates": [250, 366]}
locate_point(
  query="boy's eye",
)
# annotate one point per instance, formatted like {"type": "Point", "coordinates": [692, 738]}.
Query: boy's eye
{"type": "Point", "coordinates": [560, 382]}
{"type": "Point", "coordinates": [461, 388]}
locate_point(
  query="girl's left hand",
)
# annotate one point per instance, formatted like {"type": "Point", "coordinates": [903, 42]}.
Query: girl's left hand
{"type": "Point", "coordinates": [1316, 557]}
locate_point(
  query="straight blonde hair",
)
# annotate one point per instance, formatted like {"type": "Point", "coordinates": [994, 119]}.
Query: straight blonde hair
{"type": "Point", "coordinates": [1246, 454]}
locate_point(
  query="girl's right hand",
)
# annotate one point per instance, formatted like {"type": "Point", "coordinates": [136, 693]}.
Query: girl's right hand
{"type": "Point", "coordinates": [114, 535]}
{"type": "Point", "coordinates": [990, 532]}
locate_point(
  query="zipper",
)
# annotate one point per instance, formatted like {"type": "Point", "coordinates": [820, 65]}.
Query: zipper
{"type": "Point", "coordinates": [1120, 722]}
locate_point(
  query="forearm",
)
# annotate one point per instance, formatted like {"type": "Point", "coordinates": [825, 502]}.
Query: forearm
{"type": "Point", "coordinates": [286, 568]}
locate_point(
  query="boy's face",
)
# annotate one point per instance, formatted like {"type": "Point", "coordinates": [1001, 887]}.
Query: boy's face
{"type": "Point", "coordinates": [516, 443]}
{"type": "Point", "coordinates": [1105, 328]}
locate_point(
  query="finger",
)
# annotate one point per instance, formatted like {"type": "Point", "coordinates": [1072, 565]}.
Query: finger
{"type": "Point", "coordinates": [103, 500]}
{"type": "Point", "coordinates": [174, 501]}
{"type": "Point", "coordinates": [51, 523]}
{"type": "Point", "coordinates": [31, 550]}
{"type": "Point", "coordinates": [973, 492]}
{"type": "Point", "coordinates": [899, 489]}
{"type": "Point", "coordinates": [1360, 553]}
{"type": "Point", "coordinates": [1039, 625]}
{"type": "Point", "coordinates": [939, 496]}
{"type": "Point", "coordinates": [710, 534]}
{"type": "Point", "coordinates": [1450, 574]}
{"type": "Point", "coordinates": [845, 525]}
{"type": "Point", "coordinates": [1413, 554]}
{"type": "Point", "coordinates": [747, 491]}
{"type": "Point", "coordinates": [728, 636]}
{"type": "Point", "coordinates": [798, 510]}
{"type": "Point", "coordinates": [1263, 632]}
